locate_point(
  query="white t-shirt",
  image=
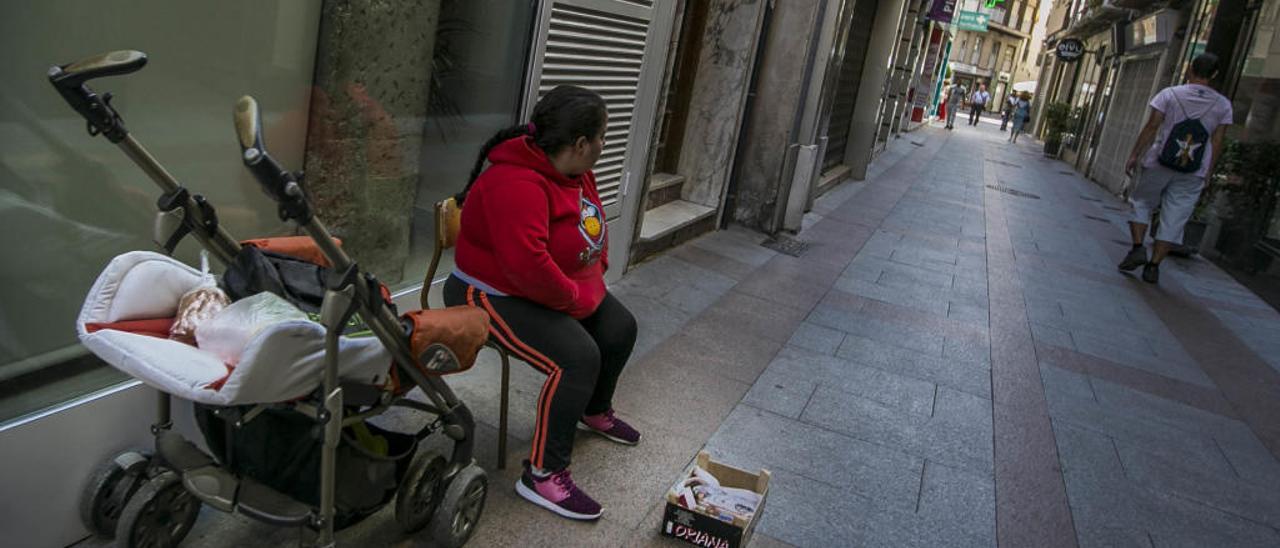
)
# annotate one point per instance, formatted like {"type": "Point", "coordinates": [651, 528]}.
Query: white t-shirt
{"type": "Point", "coordinates": [1199, 101]}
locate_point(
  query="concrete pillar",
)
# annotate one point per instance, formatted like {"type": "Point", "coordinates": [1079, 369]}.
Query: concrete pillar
{"type": "Point", "coordinates": [364, 140]}
{"type": "Point", "coordinates": [774, 115]}
{"type": "Point", "coordinates": [862, 128]}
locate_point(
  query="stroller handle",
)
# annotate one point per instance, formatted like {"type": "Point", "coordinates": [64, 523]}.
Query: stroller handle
{"type": "Point", "coordinates": [248, 123]}
{"type": "Point", "coordinates": [107, 64]}
{"type": "Point", "coordinates": [283, 186]}
{"type": "Point", "coordinates": [70, 80]}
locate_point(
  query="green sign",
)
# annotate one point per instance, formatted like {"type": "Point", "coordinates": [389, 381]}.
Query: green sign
{"type": "Point", "coordinates": [972, 20]}
{"type": "Point", "coordinates": [992, 3]}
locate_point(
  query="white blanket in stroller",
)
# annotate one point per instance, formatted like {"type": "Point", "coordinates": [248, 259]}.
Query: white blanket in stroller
{"type": "Point", "coordinates": [283, 362]}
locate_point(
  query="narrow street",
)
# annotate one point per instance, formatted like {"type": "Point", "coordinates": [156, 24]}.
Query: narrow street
{"type": "Point", "coordinates": [953, 361]}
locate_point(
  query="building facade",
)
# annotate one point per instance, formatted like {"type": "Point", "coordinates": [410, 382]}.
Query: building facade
{"type": "Point", "coordinates": [997, 55]}
{"type": "Point", "coordinates": [1134, 48]}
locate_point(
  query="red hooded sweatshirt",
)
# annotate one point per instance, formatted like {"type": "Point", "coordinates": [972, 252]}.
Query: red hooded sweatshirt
{"type": "Point", "coordinates": [529, 231]}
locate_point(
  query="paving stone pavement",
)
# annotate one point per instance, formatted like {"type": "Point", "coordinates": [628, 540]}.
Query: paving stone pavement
{"type": "Point", "coordinates": [948, 364]}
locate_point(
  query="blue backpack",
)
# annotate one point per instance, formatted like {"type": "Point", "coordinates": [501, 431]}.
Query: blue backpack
{"type": "Point", "coordinates": [1184, 147]}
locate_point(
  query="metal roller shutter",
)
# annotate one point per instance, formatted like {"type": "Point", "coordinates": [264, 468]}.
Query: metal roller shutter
{"type": "Point", "coordinates": [600, 45]}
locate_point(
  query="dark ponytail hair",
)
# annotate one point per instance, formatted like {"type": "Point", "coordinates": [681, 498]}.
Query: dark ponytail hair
{"type": "Point", "coordinates": [560, 117]}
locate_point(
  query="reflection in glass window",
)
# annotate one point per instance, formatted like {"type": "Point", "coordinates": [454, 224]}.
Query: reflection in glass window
{"type": "Point", "coordinates": [1257, 98]}
{"type": "Point", "coordinates": [478, 65]}
{"type": "Point", "coordinates": [69, 203]}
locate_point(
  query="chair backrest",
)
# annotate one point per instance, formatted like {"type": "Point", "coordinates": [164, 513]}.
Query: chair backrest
{"type": "Point", "coordinates": [448, 223]}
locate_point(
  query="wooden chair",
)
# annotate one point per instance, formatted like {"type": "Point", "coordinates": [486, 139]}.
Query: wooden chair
{"type": "Point", "coordinates": [447, 224]}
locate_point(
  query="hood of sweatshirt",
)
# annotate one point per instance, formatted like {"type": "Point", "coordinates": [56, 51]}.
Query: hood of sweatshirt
{"type": "Point", "coordinates": [522, 152]}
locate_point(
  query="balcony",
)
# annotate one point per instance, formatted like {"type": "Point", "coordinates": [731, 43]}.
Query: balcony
{"type": "Point", "coordinates": [1099, 16]}
{"type": "Point", "coordinates": [1000, 20]}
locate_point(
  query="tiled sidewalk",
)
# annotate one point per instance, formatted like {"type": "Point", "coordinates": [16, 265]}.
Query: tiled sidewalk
{"type": "Point", "coordinates": [948, 364]}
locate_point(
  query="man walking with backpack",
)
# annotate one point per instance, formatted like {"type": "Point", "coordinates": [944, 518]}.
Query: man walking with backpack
{"type": "Point", "coordinates": [1176, 150]}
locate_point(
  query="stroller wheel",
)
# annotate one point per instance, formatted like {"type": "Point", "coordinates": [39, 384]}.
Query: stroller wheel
{"type": "Point", "coordinates": [461, 507]}
{"type": "Point", "coordinates": [420, 491]}
{"type": "Point", "coordinates": [159, 515]}
{"type": "Point", "coordinates": [109, 489]}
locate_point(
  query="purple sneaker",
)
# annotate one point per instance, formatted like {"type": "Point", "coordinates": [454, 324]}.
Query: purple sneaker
{"type": "Point", "coordinates": [556, 492]}
{"type": "Point", "coordinates": [611, 427]}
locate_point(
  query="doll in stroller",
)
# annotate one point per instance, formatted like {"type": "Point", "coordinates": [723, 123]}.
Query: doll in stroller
{"type": "Point", "coordinates": [286, 425]}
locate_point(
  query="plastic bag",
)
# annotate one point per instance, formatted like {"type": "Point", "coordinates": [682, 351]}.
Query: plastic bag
{"type": "Point", "coordinates": [198, 305]}
{"type": "Point", "coordinates": [229, 332]}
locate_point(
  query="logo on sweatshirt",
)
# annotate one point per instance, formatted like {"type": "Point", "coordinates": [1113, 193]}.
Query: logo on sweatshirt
{"type": "Point", "coordinates": [592, 227]}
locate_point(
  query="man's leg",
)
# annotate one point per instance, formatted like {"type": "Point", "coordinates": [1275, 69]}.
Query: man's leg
{"type": "Point", "coordinates": [1137, 232]}
{"type": "Point", "coordinates": [1146, 195]}
{"type": "Point", "coordinates": [1176, 205]}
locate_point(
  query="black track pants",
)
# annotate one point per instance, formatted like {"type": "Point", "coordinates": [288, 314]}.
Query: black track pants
{"type": "Point", "coordinates": [581, 359]}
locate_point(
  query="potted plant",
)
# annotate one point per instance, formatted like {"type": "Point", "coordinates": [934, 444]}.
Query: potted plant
{"type": "Point", "coordinates": [1057, 119]}
{"type": "Point", "coordinates": [1196, 227]}
{"type": "Point", "coordinates": [1248, 176]}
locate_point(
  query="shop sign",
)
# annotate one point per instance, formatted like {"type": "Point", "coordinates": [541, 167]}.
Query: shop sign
{"type": "Point", "coordinates": [942, 11]}
{"type": "Point", "coordinates": [972, 20]}
{"type": "Point", "coordinates": [1070, 49]}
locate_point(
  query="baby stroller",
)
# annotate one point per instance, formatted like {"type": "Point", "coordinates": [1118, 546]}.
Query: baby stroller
{"type": "Point", "coordinates": [286, 427]}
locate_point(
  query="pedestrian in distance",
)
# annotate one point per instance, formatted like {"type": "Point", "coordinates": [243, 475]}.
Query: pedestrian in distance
{"type": "Point", "coordinates": [1173, 157]}
{"type": "Point", "coordinates": [955, 98]}
{"type": "Point", "coordinates": [1010, 103]}
{"type": "Point", "coordinates": [532, 252]}
{"type": "Point", "coordinates": [978, 103]}
{"type": "Point", "coordinates": [1021, 115]}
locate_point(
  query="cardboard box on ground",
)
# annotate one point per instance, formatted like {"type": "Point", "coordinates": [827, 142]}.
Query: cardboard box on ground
{"type": "Point", "coordinates": [692, 514]}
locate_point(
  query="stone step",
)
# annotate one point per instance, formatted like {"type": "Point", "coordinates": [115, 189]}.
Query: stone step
{"type": "Point", "coordinates": [664, 188]}
{"type": "Point", "coordinates": [671, 217]}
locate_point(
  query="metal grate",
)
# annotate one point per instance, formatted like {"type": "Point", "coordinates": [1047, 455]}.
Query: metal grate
{"type": "Point", "coordinates": [1013, 192]}
{"type": "Point", "coordinates": [602, 52]}
{"type": "Point", "coordinates": [786, 245]}
{"type": "Point", "coordinates": [641, 3]}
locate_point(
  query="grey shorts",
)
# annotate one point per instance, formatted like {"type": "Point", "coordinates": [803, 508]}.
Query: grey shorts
{"type": "Point", "coordinates": [1174, 193]}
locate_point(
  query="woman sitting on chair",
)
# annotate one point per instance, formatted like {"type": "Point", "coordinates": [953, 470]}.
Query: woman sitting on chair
{"type": "Point", "coordinates": [532, 251]}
